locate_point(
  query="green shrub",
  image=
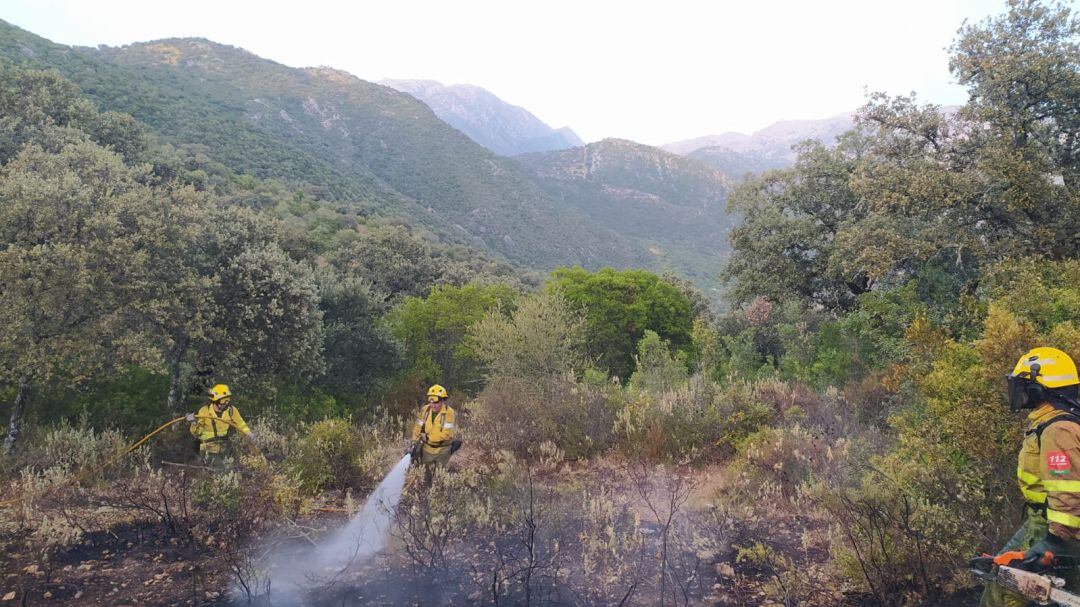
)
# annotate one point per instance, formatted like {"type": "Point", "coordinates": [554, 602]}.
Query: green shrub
{"type": "Point", "coordinates": [221, 493]}
{"type": "Point", "coordinates": [327, 457]}
{"type": "Point", "coordinates": [293, 402]}
{"type": "Point", "coordinates": [532, 394]}
{"type": "Point", "coordinates": [544, 337]}
{"type": "Point", "coordinates": [520, 415]}
{"type": "Point", "coordinates": [132, 402]}
{"type": "Point", "coordinates": [893, 542]}
{"type": "Point", "coordinates": [656, 369]}
{"type": "Point", "coordinates": [435, 332]}
{"type": "Point", "coordinates": [703, 419]}
{"type": "Point", "coordinates": [76, 449]}
{"type": "Point", "coordinates": [619, 306]}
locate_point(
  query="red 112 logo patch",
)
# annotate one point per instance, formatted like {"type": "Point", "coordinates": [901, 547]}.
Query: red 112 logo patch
{"type": "Point", "coordinates": [1057, 462]}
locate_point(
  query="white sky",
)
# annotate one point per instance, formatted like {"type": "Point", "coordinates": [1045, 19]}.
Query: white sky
{"type": "Point", "coordinates": [652, 72]}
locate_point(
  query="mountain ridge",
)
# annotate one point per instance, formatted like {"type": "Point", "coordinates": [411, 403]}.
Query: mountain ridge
{"type": "Point", "coordinates": [368, 145]}
{"type": "Point", "coordinates": [779, 133]}
{"type": "Point", "coordinates": [674, 206]}
{"type": "Point", "coordinates": [504, 128]}
{"type": "Point", "coordinates": [362, 144]}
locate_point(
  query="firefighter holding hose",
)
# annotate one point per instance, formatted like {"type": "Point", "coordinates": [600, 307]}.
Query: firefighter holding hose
{"type": "Point", "coordinates": [214, 422]}
{"type": "Point", "coordinates": [434, 431]}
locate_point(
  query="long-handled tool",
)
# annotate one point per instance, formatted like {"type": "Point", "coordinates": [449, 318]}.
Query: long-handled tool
{"type": "Point", "coordinates": [1034, 578]}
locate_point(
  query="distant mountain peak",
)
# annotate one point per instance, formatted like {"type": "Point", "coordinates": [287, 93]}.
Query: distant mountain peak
{"type": "Point", "coordinates": [736, 154]}
{"type": "Point", "coordinates": [501, 127]}
{"type": "Point", "coordinates": [778, 136]}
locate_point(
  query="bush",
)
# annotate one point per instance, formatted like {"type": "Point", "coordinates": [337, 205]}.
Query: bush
{"type": "Point", "coordinates": [132, 402]}
{"type": "Point", "coordinates": [543, 338]}
{"type": "Point", "coordinates": [891, 541]}
{"type": "Point", "coordinates": [703, 419]}
{"type": "Point", "coordinates": [787, 456]}
{"type": "Point", "coordinates": [327, 457]}
{"type": "Point", "coordinates": [656, 369]}
{"type": "Point", "coordinates": [221, 493]}
{"type": "Point", "coordinates": [381, 444]}
{"type": "Point", "coordinates": [75, 449]}
{"type": "Point", "coordinates": [520, 415]}
{"type": "Point", "coordinates": [620, 305]}
{"type": "Point", "coordinates": [788, 583]}
{"type": "Point", "coordinates": [435, 332]}
{"type": "Point", "coordinates": [532, 395]}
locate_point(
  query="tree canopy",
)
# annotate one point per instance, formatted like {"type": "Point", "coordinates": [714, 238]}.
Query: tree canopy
{"type": "Point", "coordinates": [915, 186]}
{"type": "Point", "coordinates": [619, 306]}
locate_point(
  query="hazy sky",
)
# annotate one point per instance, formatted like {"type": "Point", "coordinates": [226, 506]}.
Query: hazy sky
{"type": "Point", "coordinates": [653, 72]}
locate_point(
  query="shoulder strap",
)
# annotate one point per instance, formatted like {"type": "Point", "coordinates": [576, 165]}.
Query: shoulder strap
{"type": "Point", "coordinates": [1068, 416]}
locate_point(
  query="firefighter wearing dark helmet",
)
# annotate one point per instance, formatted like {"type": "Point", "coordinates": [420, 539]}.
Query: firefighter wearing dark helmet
{"type": "Point", "coordinates": [1045, 382]}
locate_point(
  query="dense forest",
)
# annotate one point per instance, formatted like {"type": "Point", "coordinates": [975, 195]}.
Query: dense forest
{"type": "Point", "coordinates": [835, 432]}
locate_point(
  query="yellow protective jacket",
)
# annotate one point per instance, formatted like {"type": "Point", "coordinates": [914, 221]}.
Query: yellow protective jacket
{"type": "Point", "coordinates": [207, 428]}
{"type": "Point", "coordinates": [1058, 446]}
{"type": "Point", "coordinates": [1029, 466]}
{"type": "Point", "coordinates": [440, 428]}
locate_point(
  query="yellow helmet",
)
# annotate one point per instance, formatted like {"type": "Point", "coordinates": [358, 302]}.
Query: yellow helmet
{"type": "Point", "coordinates": [1038, 371]}
{"type": "Point", "coordinates": [219, 392]}
{"type": "Point", "coordinates": [436, 391]}
{"type": "Point", "coordinates": [1049, 366]}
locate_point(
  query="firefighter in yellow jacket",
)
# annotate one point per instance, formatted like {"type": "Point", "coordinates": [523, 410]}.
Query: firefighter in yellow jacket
{"type": "Point", "coordinates": [435, 429]}
{"type": "Point", "coordinates": [215, 421]}
{"type": "Point", "coordinates": [1045, 381]}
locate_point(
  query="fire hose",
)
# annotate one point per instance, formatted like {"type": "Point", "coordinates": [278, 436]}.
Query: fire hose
{"type": "Point", "coordinates": [78, 478]}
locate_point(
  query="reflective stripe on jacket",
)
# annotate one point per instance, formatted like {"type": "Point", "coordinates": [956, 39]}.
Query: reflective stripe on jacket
{"type": "Point", "coordinates": [1059, 460]}
{"type": "Point", "coordinates": [440, 430]}
{"type": "Point", "coordinates": [206, 429]}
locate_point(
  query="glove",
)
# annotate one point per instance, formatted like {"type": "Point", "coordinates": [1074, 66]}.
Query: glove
{"type": "Point", "coordinates": [1035, 555]}
{"type": "Point", "coordinates": [250, 435]}
{"type": "Point", "coordinates": [190, 417]}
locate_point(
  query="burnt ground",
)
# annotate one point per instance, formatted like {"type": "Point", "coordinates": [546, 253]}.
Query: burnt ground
{"type": "Point", "coordinates": [129, 564]}
{"type": "Point", "coordinates": [142, 563]}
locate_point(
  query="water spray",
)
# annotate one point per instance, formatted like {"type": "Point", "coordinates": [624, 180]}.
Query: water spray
{"type": "Point", "coordinates": [352, 545]}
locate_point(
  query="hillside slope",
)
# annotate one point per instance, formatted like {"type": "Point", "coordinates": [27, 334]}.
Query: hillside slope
{"type": "Point", "coordinates": [503, 128]}
{"type": "Point", "coordinates": [671, 205]}
{"type": "Point", "coordinates": [385, 152]}
{"type": "Point", "coordinates": [366, 144]}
